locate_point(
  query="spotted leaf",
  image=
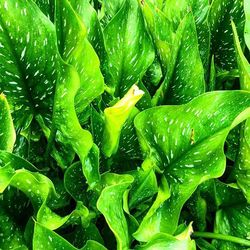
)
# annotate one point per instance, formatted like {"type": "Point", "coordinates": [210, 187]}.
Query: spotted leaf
{"type": "Point", "coordinates": [46, 239]}
{"type": "Point", "coordinates": [180, 57]}
{"type": "Point", "coordinates": [220, 15]}
{"type": "Point", "coordinates": [73, 44]}
{"type": "Point", "coordinates": [129, 48]}
{"type": "Point", "coordinates": [182, 140]}
{"type": "Point", "coordinates": [28, 59]}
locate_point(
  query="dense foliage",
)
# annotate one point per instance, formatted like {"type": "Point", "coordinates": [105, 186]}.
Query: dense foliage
{"type": "Point", "coordinates": [125, 124]}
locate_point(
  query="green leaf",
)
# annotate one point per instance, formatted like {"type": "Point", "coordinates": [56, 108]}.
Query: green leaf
{"type": "Point", "coordinates": [37, 187]}
{"type": "Point", "coordinates": [115, 117]}
{"type": "Point", "coordinates": [75, 183]}
{"type": "Point", "coordinates": [232, 218]}
{"type": "Point", "coordinates": [10, 234]}
{"type": "Point", "coordinates": [47, 7]}
{"type": "Point", "coordinates": [93, 245]}
{"type": "Point", "coordinates": [243, 159]}
{"type": "Point", "coordinates": [73, 44]}
{"type": "Point", "coordinates": [183, 81]}
{"type": "Point", "coordinates": [200, 8]}
{"type": "Point", "coordinates": [144, 187]}
{"type": "Point", "coordinates": [65, 117]}
{"type": "Point", "coordinates": [130, 51]}
{"type": "Point", "coordinates": [168, 242]}
{"type": "Point", "coordinates": [220, 15]}
{"type": "Point", "coordinates": [152, 215]}
{"type": "Point", "coordinates": [46, 239]}
{"type": "Point", "coordinates": [28, 59]}
{"type": "Point", "coordinates": [247, 24]}
{"type": "Point", "coordinates": [182, 140]}
{"type": "Point", "coordinates": [7, 131]}
{"type": "Point", "coordinates": [243, 64]}
{"type": "Point", "coordinates": [110, 8]}
{"type": "Point", "coordinates": [90, 19]}
{"type": "Point", "coordinates": [110, 205]}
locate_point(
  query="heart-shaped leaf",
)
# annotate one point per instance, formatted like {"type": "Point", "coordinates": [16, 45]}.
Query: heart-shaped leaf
{"type": "Point", "coordinates": [28, 62]}
{"type": "Point", "coordinates": [182, 140]}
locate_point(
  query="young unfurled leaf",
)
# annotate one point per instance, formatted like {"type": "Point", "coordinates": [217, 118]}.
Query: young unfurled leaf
{"type": "Point", "coordinates": [116, 116]}
{"type": "Point", "coordinates": [110, 205]}
{"type": "Point", "coordinates": [182, 140]}
{"type": "Point", "coordinates": [7, 131]}
{"type": "Point", "coordinates": [129, 48]}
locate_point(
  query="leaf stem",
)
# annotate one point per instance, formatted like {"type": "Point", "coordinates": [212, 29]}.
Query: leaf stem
{"type": "Point", "coordinates": [222, 237]}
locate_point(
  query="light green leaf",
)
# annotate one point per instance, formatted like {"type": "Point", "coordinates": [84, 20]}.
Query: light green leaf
{"type": "Point", "coordinates": [90, 19]}
{"type": "Point", "coordinates": [110, 8]}
{"type": "Point", "coordinates": [115, 117]}
{"type": "Point", "coordinates": [37, 187]}
{"type": "Point", "coordinates": [168, 242]}
{"type": "Point", "coordinates": [182, 140]}
{"type": "Point", "coordinates": [129, 48]}
{"type": "Point", "coordinates": [7, 131]}
{"type": "Point", "coordinates": [66, 120]}
{"type": "Point", "coordinates": [73, 44]}
{"type": "Point", "coordinates": [110, 205]}
{"type": "Point", "coordinates": [93, 245]}
{"type": "Point", "coordinates": [46, 239]}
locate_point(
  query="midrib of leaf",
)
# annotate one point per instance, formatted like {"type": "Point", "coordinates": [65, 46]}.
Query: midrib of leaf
{"type": "Point", "coordinates": [19, 67]}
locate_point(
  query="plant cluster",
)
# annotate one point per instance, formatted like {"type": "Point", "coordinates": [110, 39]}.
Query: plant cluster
{"type": "Point", "coordinates": [125, 124]}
